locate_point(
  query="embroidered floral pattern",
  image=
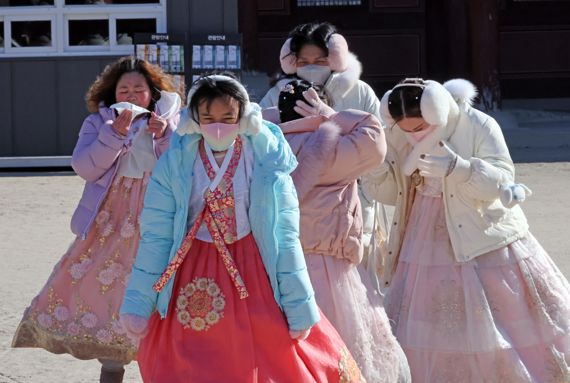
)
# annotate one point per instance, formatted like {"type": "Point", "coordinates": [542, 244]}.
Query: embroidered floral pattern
{"type": "Point", "coordinates": [102, 217]}
{"type": "Point", "coordinates": [79, 322]}
{"type": "Point", "coordinates": [79, 269]}
{"type": "Point", "coordinates": [61, 313]}
{"type": "Point", "coordinates": [110, 274]}
{"type": "Point", "coordinates": [45, 320]}
{"type": "Point", "coordinates": [107, 230]}
{"type": "Point", "coordinates": [448, 308]}
{"type": "Point", "coordinates": [348, 370]}
{"type": "Point", "coordinates": [200, 304]}
{"type": "Point", "coordinates": [128, 229]}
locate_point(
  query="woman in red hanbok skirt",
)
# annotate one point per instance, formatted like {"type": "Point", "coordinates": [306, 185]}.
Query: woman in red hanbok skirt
{"type": "Point", "coordinates": [233, 300]}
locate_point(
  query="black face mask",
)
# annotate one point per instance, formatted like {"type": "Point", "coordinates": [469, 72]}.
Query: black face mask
{"type": "Point", "coordinates": [288, 97]}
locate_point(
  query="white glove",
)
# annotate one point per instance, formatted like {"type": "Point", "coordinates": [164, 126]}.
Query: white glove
{"type": "Point", "coordinates": [449, 164]}
{"type": "Point", "coordinates": [299, 334]}
{"type": "Point", "coordinates": [314, 105]}
{"type": "Point", "coordinates": [135, 326]}
{"type": "Point", "coordinates": [513, 194]}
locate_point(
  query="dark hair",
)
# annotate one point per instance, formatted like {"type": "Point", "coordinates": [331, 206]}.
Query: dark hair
{"type": "Point", "coordinates": [103, 89]}
{"type": "Point", "coordinates": [311, 33]}
{"type": "Point", "coordinates": [289, 95]}
{"type": "Point", "coordinates": [404, 101]}
{"type": "Point", "coordinates": [208, 89]}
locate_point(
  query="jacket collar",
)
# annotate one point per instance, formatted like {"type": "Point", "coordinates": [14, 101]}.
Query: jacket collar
{"type": "Point", "coordinates": [340, 83]}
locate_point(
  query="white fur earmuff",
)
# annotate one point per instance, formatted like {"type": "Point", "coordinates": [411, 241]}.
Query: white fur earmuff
{"type": "Point", "coordinates": [435, 103]}
{"type": "Point", "coordinates": [338, 55]}
{"type": "Point", "coordinates": [249, 124]}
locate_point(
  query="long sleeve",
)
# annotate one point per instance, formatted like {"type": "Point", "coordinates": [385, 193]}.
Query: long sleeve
{"type": "Point", "coordinates": [491, 164]}
{"type": "Point", "coordinates": [380, 184]}
{"type": "Point", "coordinates": [297, 297]}
{"type": "Point", "coordinates": [97, 148]}
{"type": "Point", "coordinates": [360, 148]}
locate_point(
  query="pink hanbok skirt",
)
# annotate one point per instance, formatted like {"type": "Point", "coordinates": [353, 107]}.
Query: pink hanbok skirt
{"type": "Point", "coordinates": [77, 311]}
{"type": "Point", "coordinates": [501, 317]}
{"type": "Point", "coordinates": [354, 307]}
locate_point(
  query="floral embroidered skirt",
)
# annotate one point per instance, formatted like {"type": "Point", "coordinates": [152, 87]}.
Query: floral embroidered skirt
{"type": "Point", "coordinates": [211, 335]}
{"type": "Point", "coordinates": [502, 317]}
{"type": "Point", "coordinates": [77, 311]}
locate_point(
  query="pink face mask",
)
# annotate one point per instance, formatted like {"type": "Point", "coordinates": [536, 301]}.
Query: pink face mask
{"type": "Point", "coordinates": [219, 135]}
{"type": "Point", "coordinates": [418, 136]}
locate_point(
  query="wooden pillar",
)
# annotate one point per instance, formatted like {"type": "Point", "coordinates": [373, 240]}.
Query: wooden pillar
{"type": "Point", "coordinates": [484, 41]}
{"type": "Point", "coordinates": [247, 19]}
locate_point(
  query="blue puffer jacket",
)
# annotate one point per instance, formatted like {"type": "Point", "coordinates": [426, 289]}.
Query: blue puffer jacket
{"type": "Point", "coordinates": [274, 220]}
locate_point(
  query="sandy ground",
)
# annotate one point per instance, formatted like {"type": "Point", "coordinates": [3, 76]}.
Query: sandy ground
{"type": "Point", "coordinates": [35, 209]}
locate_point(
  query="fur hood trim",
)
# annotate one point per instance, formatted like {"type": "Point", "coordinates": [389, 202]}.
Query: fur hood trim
{"type": "Point", "coordinates": [249, 124]}
{"type": "Point", "coordinates": [461, 90]}
{"type": "Point", "coordinates": [340, 83]}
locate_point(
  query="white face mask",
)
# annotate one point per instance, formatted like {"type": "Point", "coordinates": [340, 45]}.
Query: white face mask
{"type": "Point", "coordinates": [419, 136]}
{"type": "Point", "coordinates": [316, 74]}
{"type": "Point", "coordinates": [135, 109]}
{"type": "Point", "coordinates": [219, 135]}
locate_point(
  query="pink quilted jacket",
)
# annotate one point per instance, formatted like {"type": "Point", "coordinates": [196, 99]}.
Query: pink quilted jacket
{"type": "Point", "coordinates": [332, 154]}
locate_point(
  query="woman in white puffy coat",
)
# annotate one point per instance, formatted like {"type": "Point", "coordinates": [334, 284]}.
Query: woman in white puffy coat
{"type": "Point", "coordinates": [473, 296]}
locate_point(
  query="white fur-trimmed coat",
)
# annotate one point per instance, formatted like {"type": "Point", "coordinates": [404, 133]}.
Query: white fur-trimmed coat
{"type": "Point", "coordinates": [477, 222]}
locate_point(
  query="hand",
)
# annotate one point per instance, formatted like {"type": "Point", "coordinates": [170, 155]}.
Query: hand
{"type": "Point", "coordinates": [122, 124]}
{"type": "Point", "coordinates": [443, 166]}
{"type": "Point", "coordinates": [157, 125]}
{"type": "Point", "coordinates": [135, 326]}
{"type": "Point", "coordinates": [513, 194]}
{"type": "Point", "coordinates": [314, 105]}
{"type": "Point", "coordinates": [299, 334]}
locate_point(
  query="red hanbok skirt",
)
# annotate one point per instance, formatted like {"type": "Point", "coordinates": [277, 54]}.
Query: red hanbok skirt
{"type": "Point", "coordinates": [211, 335]}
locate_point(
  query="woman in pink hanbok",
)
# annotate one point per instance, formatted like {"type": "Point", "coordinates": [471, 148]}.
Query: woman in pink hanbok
{"type": "Point", "coordinates": [473, 296]}
{"type": "Point", "coordinates": [134, 111]}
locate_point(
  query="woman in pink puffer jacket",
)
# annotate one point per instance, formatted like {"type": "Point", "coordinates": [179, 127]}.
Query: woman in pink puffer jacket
{"type": "Point", "coordinates": [334, 150]}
